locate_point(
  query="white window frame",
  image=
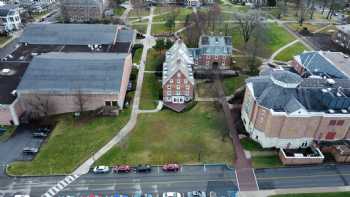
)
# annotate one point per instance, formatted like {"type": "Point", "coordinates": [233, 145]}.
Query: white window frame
{"type": "Point", "coordinates": [185, 81]}
{"type": "Point", "coordinates": [171, 81]}
{"type": "Point", "coordinates": [178, 87]}
{"type": "Point", "coordinates": [168, 87]}
{"type": "Point", "coordinates": [178, 81]}
{"type": "Point", "coordinates": [187, 87]}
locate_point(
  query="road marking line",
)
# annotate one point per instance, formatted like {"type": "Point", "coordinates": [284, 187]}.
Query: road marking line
{"type": "Point", "coordinates": [239, 189]}
{"type": "Point", "coordinates": [63, 183]}
{"type": "Point", "coordinates": [60, 187]}
{"type": "Point", "coordinates": [256, 181]}
{"type": "Point", "coordinates": [51, 192]}
{"type": "Point", "coordinates": [55, 188]}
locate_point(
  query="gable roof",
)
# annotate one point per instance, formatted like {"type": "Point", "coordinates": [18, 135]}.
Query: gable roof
{"type": "Point", "coordinates": [178, 58]}
{"type": "Point", "coordinates": [71, 72]}
{"type": "Point", "coordinates": [6, 10]}
{"type": "Point", "coordinates": [69, 34]}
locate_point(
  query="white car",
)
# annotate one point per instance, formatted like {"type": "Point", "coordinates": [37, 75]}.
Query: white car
{"type": "Point", "coordinates": [19, 195]}
{"type": "Point", "coordinates": [101, 169]}
{"type": "Point", "coordinates": [171, 194]}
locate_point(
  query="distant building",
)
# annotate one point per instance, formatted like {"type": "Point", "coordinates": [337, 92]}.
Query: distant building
{"type": "Point", "coordinates": [193, 3]}
{"type": "Point", "coordinates": [10, 17]}
{"type": "Point", "coordinates": [283, 110]}
{"type": "Point", "coordinates": [213, 52]}
{"type": "Point", "coordinates": [322, 64]}
{"type": "Point", "coordinates": [71, 82]}
{"type": "Point", "coordinates": [80, 37]}
{"type": "Point", "coordinates": [82, 10]}
{"type": "Point", "coordinates": [342, 36]}
{"type": "Point", "coordinates": [178, 80]}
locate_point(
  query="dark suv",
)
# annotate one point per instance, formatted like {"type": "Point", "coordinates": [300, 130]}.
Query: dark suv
{"type": "Point", "coordinates": [144, 168]}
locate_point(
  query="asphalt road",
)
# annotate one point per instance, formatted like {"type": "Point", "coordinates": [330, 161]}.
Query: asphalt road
{"type": "Point", "coordinates": [217, 178]}
{"type": "Point", "coordinates": [303, 177]}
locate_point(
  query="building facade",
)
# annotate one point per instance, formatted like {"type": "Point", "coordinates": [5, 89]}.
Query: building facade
{"type": "Point", "coordinates": [213, 52]}
{"type": "Point", "coordinates": [342, 36]}
{"type": "Point", "coordinates": [282, 110]}
{"type": "Point", "coordinates": [10, 17]}
{"type": "Point", "coordinates": [75, 82]}
{"type": "Point", "coordinates": [178, 80]}
{"type": "Point", "coordinates": [82, 10]}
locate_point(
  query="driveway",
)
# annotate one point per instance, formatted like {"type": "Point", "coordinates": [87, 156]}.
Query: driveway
{"type": "Point", "coordinates": [11, 149]}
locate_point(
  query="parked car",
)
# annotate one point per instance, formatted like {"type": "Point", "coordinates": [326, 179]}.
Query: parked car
{"type": "Point", "coordinates": [121, 169]}
{"type": "Point", "coordinates": [100, 169]}
{"type": "Point", "coordinates": [171, 167]}
{"type": "Point", "coordinates": [39, 134]}
{"type": "Point", "coordinates": [196, 194]}
{"type": "Point", "coordinates": [30, 150]}
{"type": "Point", "coordinates": [137, 194]}
{"type": "Point", "coordinates": [148, 195]}
{"type": "Point", "coordinates": [171, 194]}
{"type": "Point", "coordinates": [144, 168]}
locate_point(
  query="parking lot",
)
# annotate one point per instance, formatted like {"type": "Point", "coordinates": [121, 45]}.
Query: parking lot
{"type": "Point", "coordinates": [12, 149]}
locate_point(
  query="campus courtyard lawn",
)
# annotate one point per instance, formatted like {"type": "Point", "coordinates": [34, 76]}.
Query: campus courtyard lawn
{"type": "Point", "coordinates": [154, 60]}
{"type": "Point", "coordinates": [268, 161]}
{"type": "Point", "coordinates": [71, 143]}
{"type": "Point", "coordinates": [151, 89]}
{"type": "Point", "coordinates": [189, 137]}
{"type": "Point", "coordinates": [180, 14]}
{"type": "Point", "coordinates": [140, 28]}
{"type": "Point", "coordinates": [327, 194]}
{"type": "Point", "coordinates": [311, 27]}
{"type": "Point", "coordinates": [277, 37]}
{"type": "Point", "coordinates": [233, 83]}
{"type": "Point", "coordinates": [288, 53]}
{"type": "Point", "coordinates": [205, 89]}
{"type": "Point", "coordinates": [161, 28]}
{"type": "Point", "coordinates": [137, 56]}
{"type": "Point", "coordinates": [118, 11]}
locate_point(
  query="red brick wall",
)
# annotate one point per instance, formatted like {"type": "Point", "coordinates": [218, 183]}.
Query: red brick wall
{"type": "Point", "coordinates": [208, 60]}
{"type": "Point", "coordinates": [173, 86]}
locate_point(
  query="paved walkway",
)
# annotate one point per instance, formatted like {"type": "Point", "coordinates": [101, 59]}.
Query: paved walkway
{"type": "Point", "coordinates": [157, 109]}
{"type": "Point", "coordinates": [124, 16]}
{"type": "Point", "coordinates": [273, 56]}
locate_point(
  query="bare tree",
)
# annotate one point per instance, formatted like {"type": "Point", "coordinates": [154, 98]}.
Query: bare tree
{"type": "Point", "coordinates": [247, 23]}
{"type": "Point", "coordinates": [213, 16]}
{"type": "Point", "coordinates": [39, 106]}
{"type": "Point", "coordinates": [80, 100]}
{"type": "Point", "coordinates": [282, 8]}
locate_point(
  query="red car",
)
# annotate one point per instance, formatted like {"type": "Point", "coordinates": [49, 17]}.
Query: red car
{"type": "Point", "coordinates": [121, 169]}
{"type": "Point", "coordinates": [171, 167]}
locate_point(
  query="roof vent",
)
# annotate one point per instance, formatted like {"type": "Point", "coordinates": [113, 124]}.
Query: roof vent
{"type": "Point", "coordinates": [344, 111]}
{"type": "Point", "coordinates": [339, 94]}
{"type": "Point", "coordinates": [6, 72]}
{"type": "Point", "coordinates": [331, 111]}
{"type": "Point", "coordinates": [330, 81]}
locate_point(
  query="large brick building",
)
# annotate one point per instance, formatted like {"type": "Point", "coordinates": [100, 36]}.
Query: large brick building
{"type": "Point", "coordinates": [73, 82]}
{"type": "Point", "coordinates": [213, 52]}
{"type": "Point", "coordinates": [178, 80]}
{"type": "Point", "coordinates": [283, 110]}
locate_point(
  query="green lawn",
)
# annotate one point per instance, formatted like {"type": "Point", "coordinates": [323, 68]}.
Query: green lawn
{"type": "Point", "coordinates": [9, 131]}
{"type": "Point", "coordinates": [180, 14]}
{"type": "Point", "coordinates": [288, 53]}
{"type": "Point", "coordinates": [70, 144]}
{"type": "Point", "coordinates": [140, 28]}
{"type": "Point", "coordinates": [233, 83]}
{"type": "Point", "coordinates": [135, 13]}
{"type": "Point", "coordinates": [190, 137]}
{"type": "Point", "coordinates": [151, 89]}
{"type": "Point", "coordinates": [118, 11]}
{"type": "Point", "coordinates": [206, 89]}
{"type": "Point", "coordinates": [277, 37]}
{"type": "Point", "coordinates": [154, 60]}
{"type": "Point", "coordinates": [3, 39]}
{"type": "Point", "coordinates": [161, 28]}
{"type": "Point", "coordinates": [251, 145]}
{"type": "Point", "coordinates": [39, 15]}
{"type": "Point", "coordinates": [270, 161]}
{"type": "Point", "coordinates": [328, 194]}
{"type": "Point", "coordinates": [137, 56]}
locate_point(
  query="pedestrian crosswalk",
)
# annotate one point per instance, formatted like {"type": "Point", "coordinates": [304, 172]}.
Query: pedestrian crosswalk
{"type": "Point", "coordinates": [60, 186]}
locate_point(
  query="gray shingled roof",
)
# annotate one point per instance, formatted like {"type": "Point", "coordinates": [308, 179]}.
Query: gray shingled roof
{"type": "Point", "coordinates": [125, 35]}
{"type": "Point", "coordinates": [69, 34]}
{"type": "Point", "coordinates": [71, 72]}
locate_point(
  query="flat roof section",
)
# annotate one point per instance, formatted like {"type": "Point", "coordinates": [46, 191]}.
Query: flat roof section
{"type": "Point", "coordinates": [10, 75]}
